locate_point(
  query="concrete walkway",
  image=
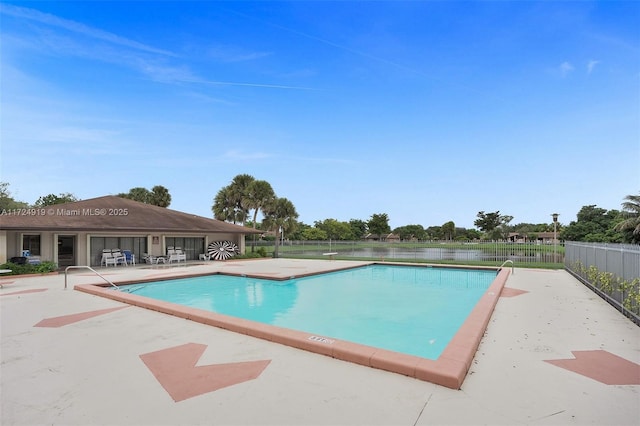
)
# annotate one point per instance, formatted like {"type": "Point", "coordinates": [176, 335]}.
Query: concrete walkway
{"type": "Point", "coordinates": [553, 354]}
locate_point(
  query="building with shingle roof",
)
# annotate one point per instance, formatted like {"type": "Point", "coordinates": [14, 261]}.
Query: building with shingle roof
{"type": "Point", "coordinates": [77, 233]}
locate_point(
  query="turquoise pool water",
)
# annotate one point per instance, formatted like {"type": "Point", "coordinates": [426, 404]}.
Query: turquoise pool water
{"type": "Point", "coordinates": [409, 309]}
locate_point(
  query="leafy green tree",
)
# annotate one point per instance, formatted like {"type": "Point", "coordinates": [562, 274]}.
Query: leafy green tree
{"type": "Point", "coordinates": [379, 225]}
{"type": "Point", "coordinates": [314, 234]}
{"type": "Point", "coordinates": [52, 199]}
{"type": "Point", "coordinates": [409, 232]}
{"type": "Point", "coordinates": [472, 234]}
{"type": "Point", "coordinates": [487, 222]}
{"type": "Point", "coordinates": [280, 216]}
{"type": "Point", "coordinates": [449, 230]}
{"type": "Point", "coordinates": [494, 225]}
{"type": "Point", "coordinates": [504, 227]}
{"type": "Point", "coordinates": [7, 201]}
{"type": "Point", "coordinates": [138, 193]}
{"type": "Point", "coordinates": [467, 234]}
{"type": "Point", "coordinates": [158, 196]}
{"type": "Point", "coordinates": [630, 225]}
{"type": "Point", "coordinates": [335, 229]}
{"type": "Point", "coordinates": [593, 224]}
{"type": "Point", "coordinates": [358, 228]}
{"type": "Point", "coordinates": [434, 233]}
{"type": "Point", "coordinates": [299, 232]}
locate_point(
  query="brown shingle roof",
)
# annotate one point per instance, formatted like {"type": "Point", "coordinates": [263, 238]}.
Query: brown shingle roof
{"type": "Point", "coordinates": [112, 213]}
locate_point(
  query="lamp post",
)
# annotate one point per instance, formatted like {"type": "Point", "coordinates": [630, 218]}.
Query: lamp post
{"type": "Point", "coordinates": [555, 231]}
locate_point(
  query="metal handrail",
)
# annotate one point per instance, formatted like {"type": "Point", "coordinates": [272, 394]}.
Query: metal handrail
{"type": "Point", "coordinates": [85, 267]}
{"type": "Point", "coordinates": [513, 271]}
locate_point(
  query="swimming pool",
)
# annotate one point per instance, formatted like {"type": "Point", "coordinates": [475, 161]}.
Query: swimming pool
{"type": "Point", "coordinates": [449, 369]}
{"type": "Point", "coordinates": [409, 309]}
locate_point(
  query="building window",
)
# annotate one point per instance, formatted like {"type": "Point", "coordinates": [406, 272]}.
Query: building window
{"type": "Point", "coordinates": [192, 247]}
{"type": "Point", "coordinates": [31, 243]}
{"type": "Point", "coordinates": [137, 246]}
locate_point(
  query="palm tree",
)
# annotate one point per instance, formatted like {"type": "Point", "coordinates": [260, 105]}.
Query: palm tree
{"type": "Point", "coordinates": [631, 213]}
{"type": "Point", "coordinates": [281, 214]}
{"type": "Point", "coordinates": [239, 188]}
{"type": "Point", "coordinates": [259, 195]}
{"type": "Point", "coordinates": [160, 196]}
{"type": "Point", "coordinates": [224, 206]}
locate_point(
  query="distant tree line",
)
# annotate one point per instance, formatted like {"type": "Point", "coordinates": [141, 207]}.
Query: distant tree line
{"type": "Point", "coordinates": [157, 196]}
{"type": "Point", "coordinates": [245, 198]}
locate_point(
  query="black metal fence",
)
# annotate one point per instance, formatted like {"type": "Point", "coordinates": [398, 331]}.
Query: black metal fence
{"type": "Point", "coordinates": [469, 252]}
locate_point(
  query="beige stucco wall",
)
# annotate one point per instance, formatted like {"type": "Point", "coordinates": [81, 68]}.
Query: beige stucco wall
{"type": "Point", "coordinates": [3, 247]}
{"type": "Point", "coordinates": [11, 243]}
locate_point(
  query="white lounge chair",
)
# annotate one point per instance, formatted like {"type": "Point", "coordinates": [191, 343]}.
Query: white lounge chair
{"type": "Point", "coordinates": [108, 258]}
{"type": "Point", "coordinates": [176, 255]}
{"type": "Point", "coordinates": [120, 258]}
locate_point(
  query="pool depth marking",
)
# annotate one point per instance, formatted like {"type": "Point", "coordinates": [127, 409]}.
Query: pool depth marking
{"type": "Point", "coordinates": [448, 370]}
{"type": "Point", "coordinates": [321, 339]}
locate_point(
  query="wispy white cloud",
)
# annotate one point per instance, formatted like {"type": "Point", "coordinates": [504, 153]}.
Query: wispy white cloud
{"type": "Point", "coordinates": [197, 80]}
{"type": "Point", "coordinates": [54, 21]}
{"type": "Point", "coordinates": [566, 68]}
{"type": "Point", "coordinates": [234, 54]}
{"type": "Point", "coordinates": [591, 65]}
{"type": "Point", "coordinates": [164, 73]}
{"type": "Point", "coordinates": [148, 60]}
{"type": "Point", "coordinates": [264, 85]}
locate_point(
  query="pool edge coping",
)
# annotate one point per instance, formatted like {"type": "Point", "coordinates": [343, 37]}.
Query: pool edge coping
{"type": "Point", "coordinates": [449, 370]}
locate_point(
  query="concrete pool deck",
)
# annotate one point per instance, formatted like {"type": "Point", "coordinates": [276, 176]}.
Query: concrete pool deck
{"type": "Point", "coordinates": [553, 353]}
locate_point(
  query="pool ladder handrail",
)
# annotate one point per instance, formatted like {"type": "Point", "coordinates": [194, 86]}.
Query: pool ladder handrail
{"type": "Point", "coordinates": [513, 271]}
{"type": "Point", "coordinates": [85, 267]}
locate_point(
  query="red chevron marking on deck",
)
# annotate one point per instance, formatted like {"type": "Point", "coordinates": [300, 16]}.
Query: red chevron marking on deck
{"type": "Point", "coordinates": [602, 366]}
{"type": "Point", "coordinates": [73, 318]}
{"type": "Point", "coordinates": [511, 292]}
{"type": "Point", "coordinates": [35, 290]}
{"type": "Point", "coordinates": [175, 368]}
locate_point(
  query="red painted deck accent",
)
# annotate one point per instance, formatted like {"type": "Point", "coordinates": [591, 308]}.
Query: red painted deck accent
{"type": "Point", "coordinates": [70, 319]}
{"type": "Point", "coordinates": [175, 368]}
{"type": "Point", "coordinates": [35, 290]}
{"type": "Point", "coordinates": [512, 292]}
{"type": "Point", "coordinates": [602, 366]}
{"type": "Point", "coordinates": [448, 370]}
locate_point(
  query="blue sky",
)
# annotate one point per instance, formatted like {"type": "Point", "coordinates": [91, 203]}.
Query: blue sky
{"type": "Point", "coordinates": [426, 111]}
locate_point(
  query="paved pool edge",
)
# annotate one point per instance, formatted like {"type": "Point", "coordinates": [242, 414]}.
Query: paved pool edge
{"type": "Point", "coordinates": [449, 370]}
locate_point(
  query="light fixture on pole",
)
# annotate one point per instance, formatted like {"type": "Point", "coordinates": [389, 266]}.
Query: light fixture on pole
{"type": "Point", "coordinates": [555, 232]}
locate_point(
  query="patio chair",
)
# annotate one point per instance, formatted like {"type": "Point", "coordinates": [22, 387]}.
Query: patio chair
{"type": "Point", "coordinates": [120, 258]}
{"type": "Point", "coordinates": [182, 255]}
{"type": "Point", "coordinates": [176, 255]}
{"type": "Point", "coordinates": [107, 258]}
{"type": "Point", "coordinates": [129, 257]}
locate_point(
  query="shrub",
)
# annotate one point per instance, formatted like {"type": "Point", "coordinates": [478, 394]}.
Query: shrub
{"type": "Point", "coordinates": [248, 256]}
{"type": "Point", "coordinates": [42, 268]}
